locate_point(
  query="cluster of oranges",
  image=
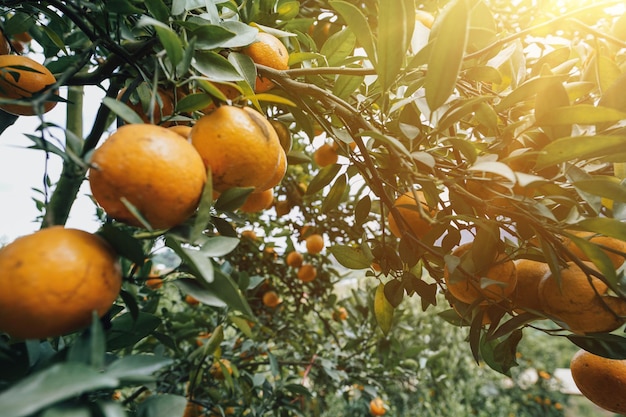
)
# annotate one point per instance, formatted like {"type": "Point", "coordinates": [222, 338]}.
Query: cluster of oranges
{"type": "Point", "coordinates": [21, 78]}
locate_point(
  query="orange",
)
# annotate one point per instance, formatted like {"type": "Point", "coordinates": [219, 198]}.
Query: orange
{"type": "Point", "coordinates": [307, 273]}
{"type": "Point", "coordinates": [580, 302]}
{"type": "Point", "coordinates": [284, 135]}
{"type": "Point", "coordinates": [163, 106]}
{"type": "Point", "coordinates": [154, 169]}
{"type": "Point", "coordinates": [182, 130]}
{"type": "Point", "coordinates": [269, 51]}
{"type": "Point", "coordinates": [217, 368]}
{"type": "Point", "coordinates": [340, 314]}
{"type": "Point", "coordinates": [154, 283]}
{"type": "Point", "coordinates": [249, 234]}
{"type": "Point", "coordinates": [229, 92]}
{"type": "Point", "coordinates": [601, 380]}
{"type": "Point", "coordinates": [501, 274]}
{"type": "Point", "coordinates": [192, 301]}
{"type": "Point", "coordinates": [407, 206]}
{"type": "Point", "coordinates": [194, 410]}
{"type": "Point", "coordinates": [258, 201]}
{"type": "Point", "coordinates": [314, 243]}
{"type": "Point", "coordinates": [239, 145]}
{"type": "Point", "coordinates": [604, 242]}
{"type": "Point", "coordinates": [279, 173]}
{"type": "Point", "coordinates": [271, 299]}
{"type": "Point", "coordinates": [377, 407]}
{"type": "Point", "coordinates": [325, 155]}
{"type": "Point", "coordinates": [526, 294]}
{"type": "Point", "coordinates": [294, 259]}
{"type": "Point", "coordinates": [202, 337]}
{"type": "Point", "coordinates": [53, 280]}
{"type": "Point", "coordinates": [20, 78]}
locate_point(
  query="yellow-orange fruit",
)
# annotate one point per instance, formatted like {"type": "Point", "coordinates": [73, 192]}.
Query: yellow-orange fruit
{"type": "Point", "coordinates": [53, 280]}
{"type": "Point", "coordinates": [271, 299]}
{"type": "Point", "coordinates": [269, 51]}
{"type": "Point", "coordinates": [191, 300]}
{"type": "Point", "coordinates": [407, 206]}
{"type": "Point", "coordinates": [314, 243]}
{"type": "Point", "coordinates": [239, 145]}
{"type": "Point", "coordinates": [21, 78]}
{"type": "Point", "coordinates": [581, 302]}
{"type": "Point", "coordinates": [218, 367]}
{"type": "Point", "coordinates": [325, 155]}
{"type": "Point", "coordinates": [154, 283]}
{"type": "Point", "coordinates": [282, 207]}
{"type": "Point", "coordinates": [154, 169]}
{"type": "Point", "coordinates": [182, 130]}
{"type": "Point", "coordinates": [279, 173]}
{"type": "Point", "coordinates": [294, 259]}
{"type": "Point", "coordinates": [258, 201]}
{"type": "Point", "coordinates": [377, 407]}
{"type": "Point", "coordinates": [529, 276]}
{"type": "Point", "coordinates": [340, 314]}
{"type": "Point", "coordinates": [307, 273]}
{"type": "Point", "coordinates": [601, 380]}
{"type": "Point", "coordinates": [468, 289]}
{"type": "Point", "coordinates": [604, 242]}
{"type": "Point", "coordinates": [163, 107]}
{"type": "Point", "coordinates": [249, 234]}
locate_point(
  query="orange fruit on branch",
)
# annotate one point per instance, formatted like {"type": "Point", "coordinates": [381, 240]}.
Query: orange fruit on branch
{"type": "Point", "coordinates": [239, 145]}
{"type": "Point", "coordinates": [271, 299]}
{"type": "Point", "coordinates": [154, 169]}
{"type": "Point", "coordinates": [601, 380]}
{"type": "Point", "coordinates": [294, 259]}
{"type": "Point", "coordinates": [53, 280]}
{"type": "Point", "coordinates": [21, 78]}
{"type": "Point", "coordinates": [307, 273]}
{"type": "Point", "coordinates": [314, 243]}
{"type": "Point", "coordinates": [581, 302]}
{"type": "Point", "coordinates": [377, 407]}
{"type": "Point", "coordinates": [529, 276]}
{"type": "Point", "coordinates": [258, 201]}
{"type": "Point", "coordinates": [615, 249]}
{"type": "Point", "coordinates": [492, 284]}
{"type": "Point", "coordinates": [325, 155]}
{"type": "Point", "coordinates": [411, 214]}
{"type": "Point", "coordinates": [269, 51]}
{"type": "Point", "coordinates": [162, 107]}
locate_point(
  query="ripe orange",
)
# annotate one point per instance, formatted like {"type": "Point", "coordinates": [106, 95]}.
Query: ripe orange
{"type": "Point", "coordinates": [239, 145]}
{"type": "Point", "coordinates": [249, 234]}
{"type": "Point", "coordinates": [407, 206]}
{"type": "Point", "coordinates": [258, 201]}
{"type": "Point", "coordinates": [325, 155]}
{"type": "Point", "coordinates": [602, 242]}
{"type": "Point", "coordinates": [340, 314]}
{"type": "Point", "coordinates": [580, 302]}
{"type": "Point", "coordinates": [154, 283]}
{"type": "Point", "coordinates": [194, 410]}
{"type": "Point", "coordinates": [163, 106]}
{"type": "Point", "coordinates": [601, 380]}
{"type": "Point", "coordinates": [229, 92]}
{"type": "Point", "coordinates": [52, 281]}
{"type": "Point", "coordinates": [271, 299]}
{"type": "Point", "coordinates": [284, 135]}
{"type": "Point", "coordinates": [192, 301]}
{"type": "Point", "coordinates": [314, 243]}
{"type": "Point", "coordinates": [202, 338]}
{"type": "Point", "coordinates": [269, 51]}
{"type": "Point", "coordinates": [307, 273]}
{"type": "Point", "coordinates": [182, 130]}
{"type": "Point", "coordinates": [155, 169]}
{"type": "Point", "coordinates": [282, 207]}
{"type": "Point", "coordinates": [20, 78]}
{"type": "Point", "coordinates": [294, 259]}
{"type": "Point", "coordinates": [502, 277]}
{"type": "Point", "coordinates": [377, 407]}
{"type": "Point", "coordinates": [280, 171]}
{"type": "Point", "coordinates": [526, 294]}
{"type": "Point", "coordinates": [216, 368]}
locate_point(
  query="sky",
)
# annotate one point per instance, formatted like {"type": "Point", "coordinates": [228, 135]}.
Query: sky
{"type": "Point", "coordinates": [22, 169]}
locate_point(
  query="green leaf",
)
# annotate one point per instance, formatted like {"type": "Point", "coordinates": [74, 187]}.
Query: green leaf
{"type": "Point", "coordinates": [458, 110]}
{"type": "Point", "coordinates": [158, 10]}
{"type": "Point", "coordinates": [124, 244]}
{"type": "Point", "coordinates": [608, 345]}
{"type": "Point", "coordinates": [216, 246]}
{"type": "Point", "coordinates": [163, 405]}
{"type": "Point", "coordinates": [199, 264]}
{"type": "Point", "coordinates": [335, 195]}
{"type": "Point", "coordinates": [527, 90]}
{"type": "Point", "coordinates": [126, 331]}
{"type": "Point", "coordinates": [446, 54]}
{"type": "Point", "coordinates": [582, 114]}
{"type": "Point", "coordinates": [383, 310]}
{"type": "Point", "coordinates": [122, 110]}
{"type": "Point", "coordinates": [350, 257]}
{"type": "Point", "coordinates": [338, 47]}
{"type": "Point", "coordinates": [604, 186]}
{"type": "Point", "coordinates": [198, 291]}
{"type": "Point", "coordinates": [500, 356]}
{"type": "Point", "coordinates": [168, 38]}
{"type": "Point", "coordinates": [233, 198]}
{"type": "Point", "coordinates": [204, 212]}
{"type": "Point", "coordinates": [579, 147]}
{"type": "Point", "coordinates": [555, 96]}
{"type": "Point", "coordinates": [599, 258]}
{"type": "Point", "coordinates": [136, 367]}
{"type": "Point", "coordinates": [362, 210]}
{"type": "Point", "coordinates": [287, 9]}
{"type": "Point", "coordinates": [89, 347]}
{"type": "Point", "coordinates": [51, 385]}
{"type": "Point", "coordinates": [395, 26]}
{"type": "Point", "coordinates": [605, 226]}
{"type": "Point", "coordinates": [323, 178]}
{"type": "Point", "coordinates": [394, 292]}
{"type": "Point", "coordinates": [358, 23]}
{"type": "Point", "coordinates": [215, 67]}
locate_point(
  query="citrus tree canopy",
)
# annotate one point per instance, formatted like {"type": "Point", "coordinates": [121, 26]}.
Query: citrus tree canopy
{"type": "Point", "coordinates": [316, 206]}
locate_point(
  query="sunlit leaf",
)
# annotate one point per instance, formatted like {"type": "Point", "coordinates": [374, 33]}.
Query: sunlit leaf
{"type": "Point", "coordinates": [383, 310]}
{"type": "Point", "coordinates": [394, 30]}
{"type": "Point", "coordinates": [357, 22]}
{"type": "Point", "coordinates": [446, 54]}
{"type": "Point", "coordinates": [584, 114]}
{"type": "Point", "coordinates": [350, 257]}
{"type": "Point", "coordinates": [579, 147]}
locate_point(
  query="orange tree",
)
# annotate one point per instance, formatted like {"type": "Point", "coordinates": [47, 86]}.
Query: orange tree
{"type": "Point", "coordinates": [505, 123]}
